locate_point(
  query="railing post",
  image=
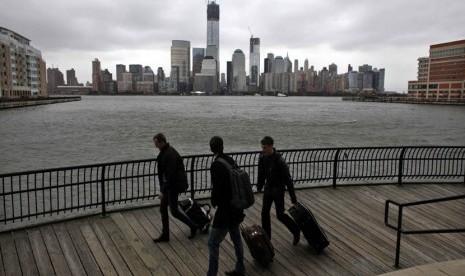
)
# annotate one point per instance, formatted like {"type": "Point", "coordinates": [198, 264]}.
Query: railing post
{"type": "Point", "coordinates": [399, 233]}
{"type": "Point", "coordinates": [192, 178]}
{"type": "Point", "coordinates": [401, 166]}
{"type": "Point", "coordinates": [102, 183]}
{"type": "Point", "coordinates": [336, 158]}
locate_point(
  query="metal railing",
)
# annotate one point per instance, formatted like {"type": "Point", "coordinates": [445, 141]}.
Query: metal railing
{"type": "Point", "coordinates": [34, 197]}
{"type": "Point", "coordinates": [399, 227]}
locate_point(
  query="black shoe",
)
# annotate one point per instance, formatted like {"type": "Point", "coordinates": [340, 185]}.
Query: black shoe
{"type": "Point", "coordinates": [296, 238]}
{"type": "Point", "coordinates": [161, 239]}
{"type": "Point", "coordinates": [234, 273]}
{"type": "Point", "coordinates": [193, 232]}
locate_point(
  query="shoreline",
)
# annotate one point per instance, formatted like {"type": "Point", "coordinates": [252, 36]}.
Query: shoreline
{"type": "Point", "coordinates": [19, 103]}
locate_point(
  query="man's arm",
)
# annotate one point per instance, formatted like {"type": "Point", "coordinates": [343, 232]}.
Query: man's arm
{"type": "Point", "coordinates": [287, 178]}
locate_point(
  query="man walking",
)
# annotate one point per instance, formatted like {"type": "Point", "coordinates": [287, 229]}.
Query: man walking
{"type": "Point", "coordinates": [173, 180]}
{"type": "Point", "coordinates": [274, 177]}
{"type": "Point", "coordinates": [227, 218]}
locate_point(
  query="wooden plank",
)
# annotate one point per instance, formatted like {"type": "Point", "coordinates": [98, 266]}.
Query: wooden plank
{"type": "Point", "coordinates": [119, 265]}
{"type": "Point", "coordinates": [54, 250]}
{"type": "Point", "coordinates": [308, 261]}
{"type": "Point", "coordinates": [85, 255]}
{"type": "Point", "coordinates": [164, 248]}
{"type": "Point", "coordinates": [178, 246]}
{"type": "Point", "coordinates": [27, 262]}
{"type": "Point", "coordinates": [134, 219]}
{"type": "Point", "coordinates": [353, 217]}
{"type": "Point", "coordinates": [132, 260]}
{"type": "Point", "coordinates": [96, 249]}
{"type": "Point", "coordinates": [39, 250]}
{"type": "Point", "coordinates": [153, 264]}
{"type": "Point", "coordinates": [11, 262]}
{"type": "Point", "coordinates": [68, 249]}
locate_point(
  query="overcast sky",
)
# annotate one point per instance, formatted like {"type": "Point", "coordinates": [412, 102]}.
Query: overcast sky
{"type": "Point", "coordinates": [388, 34]}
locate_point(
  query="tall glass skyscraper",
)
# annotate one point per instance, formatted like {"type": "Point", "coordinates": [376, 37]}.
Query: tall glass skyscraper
{"type": "Point", "coordinates": [180, 58]}
{"type": "Point", "coordinates": [213, 31]}
{"type": "Point", "coordinates": [254, 61]}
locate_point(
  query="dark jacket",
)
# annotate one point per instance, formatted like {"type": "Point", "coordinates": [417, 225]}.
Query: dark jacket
{"type": "Point", "coordinates": [273, 174]}
{"type": "Point", "coordinates": [171, 172]}
{"type": "Point", "coordinates": [226, 215]}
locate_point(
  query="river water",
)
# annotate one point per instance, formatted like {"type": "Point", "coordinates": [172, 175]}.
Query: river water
{"type": "Point", "coordinates": [117, 128]}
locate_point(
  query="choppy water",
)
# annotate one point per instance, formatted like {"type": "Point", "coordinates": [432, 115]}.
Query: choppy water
{"type": "Point", "coordinates": [106, 128]}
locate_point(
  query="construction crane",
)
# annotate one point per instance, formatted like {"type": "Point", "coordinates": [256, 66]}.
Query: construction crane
{"type": "Point", "coordinates": [251, 34]}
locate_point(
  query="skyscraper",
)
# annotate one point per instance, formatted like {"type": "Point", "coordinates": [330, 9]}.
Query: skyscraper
{"type": "Point", "coordinates": [180, 58]}
{"type": "Point", "coordinates": [97, 84]}
{"type": "Point", "coordinates": [71, 79]}
{"type": "Point", "coordinates": [254, 61]}
{"type": "Point", "coordinates": [197, 57]}
{"type": "Point", "coordinates": [213, 31]}
{"type": "Point", "coordinates": [239, 75]}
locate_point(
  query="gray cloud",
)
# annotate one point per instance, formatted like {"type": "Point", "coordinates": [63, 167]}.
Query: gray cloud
{"type": "Point", "coordinates": [387, 34]}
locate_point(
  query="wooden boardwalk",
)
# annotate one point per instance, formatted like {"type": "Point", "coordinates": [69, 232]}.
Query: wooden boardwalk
{"type": "Point", "coordinates": [353, 217]}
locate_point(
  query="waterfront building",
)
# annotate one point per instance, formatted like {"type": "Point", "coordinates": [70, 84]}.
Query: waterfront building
{"type": "Point", "coordinates": [55, 79]}
{"type": "Point", "coordinates": [213, 32]}
{"type": "Point", "coordinates": [306, 65]}
{"type": "Point", "coordinates": [441, 76]}
{"type": "Point", "coordinates": [239, 74]}
{"type": "Point", "coordinates": [97, 84]}
{"type": "Point", "coordinates": [180, 64]}
{"type": "Point", "coordinates": [22, 69]}
{"type": "Point", "coordinates": [206, 80]}
{"type": "Point", "coordinates": [229, 75]}
{"type": "Point", "coordinates": [125, 85]}
{"type": "Point", "coordinates": [268, 63]}
{"type": "Point", "coordinates": [254, 63]}
{"type": "Point", "coordinates": [109, 86]}
{"type": "Point", "coordinates": [71, 79]}
{"type": "Point", "coordinates": [120, 69]}
{"type": "Point", "coordinates": [197, 57]}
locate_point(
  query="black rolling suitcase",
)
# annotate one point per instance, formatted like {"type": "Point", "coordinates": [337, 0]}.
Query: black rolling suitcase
{"type": "Point", "coordinates": [312, 231]}
{"type": "Point", "coordinates": [198, 213]}
{"type": "Point", "coordinates": [259, 244]}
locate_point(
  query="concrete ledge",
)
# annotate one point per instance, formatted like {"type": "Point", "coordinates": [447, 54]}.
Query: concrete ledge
{"type": "Point", "coordinates": [33, 102]}
{"type": "Point", "coordinates": [449, 268]}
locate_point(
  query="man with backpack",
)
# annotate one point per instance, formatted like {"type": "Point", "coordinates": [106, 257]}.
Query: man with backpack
{"type": "Point", "coordinates": [227, 217]}
{"type": "Point", "coordinates": [274, 177]}
{"type": "Point", "coordinates": [173, 180]}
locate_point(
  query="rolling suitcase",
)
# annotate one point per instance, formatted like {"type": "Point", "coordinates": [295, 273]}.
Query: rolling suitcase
{"type": "Point", "coordinates": [312, 231]}
{"type": "Point", "coordinates": [198, 213]}
{"type": "Point", "coordinates": [259, 244]}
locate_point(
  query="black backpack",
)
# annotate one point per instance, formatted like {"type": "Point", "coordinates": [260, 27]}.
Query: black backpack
{"type": "Point", "coordinates": [241, 188]}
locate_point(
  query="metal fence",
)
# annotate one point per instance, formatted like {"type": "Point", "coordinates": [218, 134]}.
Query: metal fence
{"type": "Point", "coordinates": [40, 196]}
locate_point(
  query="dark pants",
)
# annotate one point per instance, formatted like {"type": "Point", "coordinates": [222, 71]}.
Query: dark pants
{"type": "Point", "coordinates": [276, 195]}
{"type": "Point", "coordinates": [171, 200]}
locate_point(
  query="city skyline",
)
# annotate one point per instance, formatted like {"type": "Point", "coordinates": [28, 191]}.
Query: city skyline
{"type": "Point", "coordinates": [389, 35]}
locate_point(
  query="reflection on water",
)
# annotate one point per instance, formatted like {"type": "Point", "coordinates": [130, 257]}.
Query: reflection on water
{"type": "Point", "coordinates": [106, 128]}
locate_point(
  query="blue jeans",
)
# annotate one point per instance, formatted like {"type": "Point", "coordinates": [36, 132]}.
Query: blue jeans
{"type": "Point", "coordinates": [217, 235]}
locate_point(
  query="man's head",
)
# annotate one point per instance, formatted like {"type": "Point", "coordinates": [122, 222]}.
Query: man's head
{"type": "Point", "coordinates": [159, 140]}
{"type": "Point", "coordinates": [216, 144]}
{"type": "Point", "coordinates": [267, 145]}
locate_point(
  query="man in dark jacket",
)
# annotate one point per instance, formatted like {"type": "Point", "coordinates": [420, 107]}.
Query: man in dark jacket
{"type": "Point", "coordinates": [274, 176]}
{"type": "Point", "coordinates": [227, 218]}
{"type": "Point", "coordinates": [173, 180]}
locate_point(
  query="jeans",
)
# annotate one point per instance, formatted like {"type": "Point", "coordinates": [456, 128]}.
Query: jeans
{"type": "Point", "coordinates": [171, 200]}
{"type": "Point", "coordinates": [276, 195]}
{"type": "Point", "coordinates": [217, 235]}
